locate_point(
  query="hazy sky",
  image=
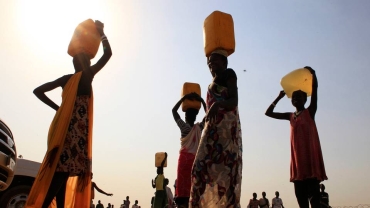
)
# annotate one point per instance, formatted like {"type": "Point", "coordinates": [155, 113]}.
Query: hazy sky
{"type": "Point", "coordinates": [157, 46]}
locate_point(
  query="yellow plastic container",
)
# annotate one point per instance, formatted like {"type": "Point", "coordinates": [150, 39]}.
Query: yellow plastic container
{"type": "Point", "coordinates": [218, 32]}
{"type": "Point", "coordinates": [159, 156]}
{"type": "Point", "coordinates": [187, 88]}
{"type": "Point", "coordinates": [85, 39]}
{"type": "Point", "coordinates": [299, 79]}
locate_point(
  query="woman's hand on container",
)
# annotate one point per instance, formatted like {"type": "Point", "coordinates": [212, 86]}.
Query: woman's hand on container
{"type": "Point", "coordinates": [99, 26]}
{"type": "Point", "coordinates": [281, 94]}
{"type": "Point", "coordinates": [185, 97]}
{"type": "Point", "coordinates": [196, 96]}
{"type": "Point", "coordinates": [310, 69]}
{"type": "Point", "coordinates": [189, 96]}
{"type": "Point", "coordinates": [199, 98]}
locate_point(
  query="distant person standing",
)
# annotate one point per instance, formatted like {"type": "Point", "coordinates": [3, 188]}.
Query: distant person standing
{"type": "Point", "coordinates": [109, 205]}
{"type": "Point", "coordinates": [136, 204]}
{"type": "Point", "coordinates": [277, 202]}
{"type": "Point", "coordinates": [324, 197]}
{"type": "Point", "coordinates": [127, 202]}
{"type": "Point", "coordinates": [307, 168]}
{"type": "Point", "coordinates": [99, 205]}
{"type": "Point", "coordinates": [254, 202]}
{"type": "Point", "coordinates": [95, 187]}
{"type": "Point", "coordinates": [169, 194]}
{"type": "Point", "coordinates": [123, 205]}
{"type": "Point", "coordinates": [264, 202]}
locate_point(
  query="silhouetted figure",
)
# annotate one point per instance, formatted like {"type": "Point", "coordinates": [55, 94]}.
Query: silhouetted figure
{"type": "Point", "coordinates": [109, 205]}
{"type": "Point", "coordinates": [136, 205]}
{"type": "Point", "coordinates": [93, 187]}
{"type": "Point", "coordinates": [324, 197]}
{"type": "Point", "coordinates": [264, 202]}
{"type": "Point", "coordinates": [190, 137]}
{"type": "Point", "coordinates": [254, 202]}
{"type": "Point", "coordinates": [277, 202]}
{"type": "Point", "coordinates": [170, 201]}
{"type": "Point", "coordinates": [99, 205]}
{"type": "Point", "coordinates": [68, 151]}
{"type": "Point", "coordinates": [127, 202]}
{"type": "Point", "coordinates": [160, 199]}
{"type": "Point", "coordinates": [218, 163]}
{"type": "Point", "coordinates": [307, 165]}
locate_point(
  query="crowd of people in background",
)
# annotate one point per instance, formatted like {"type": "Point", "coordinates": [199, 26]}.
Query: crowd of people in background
{"type": "Point", "coordinates": [126, 204]}
{"type": "Point", "coordinates": [263, 202]}
{"type": "Point", "coordinates": [277, 202]}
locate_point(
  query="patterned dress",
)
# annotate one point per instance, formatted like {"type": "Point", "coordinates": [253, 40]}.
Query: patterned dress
{"type": "Point", "coordinates": [217, 169]}
{"type": "Point", "coordinates": [306, 156]}
{"type": "Point", "coordinates": [73, 158]}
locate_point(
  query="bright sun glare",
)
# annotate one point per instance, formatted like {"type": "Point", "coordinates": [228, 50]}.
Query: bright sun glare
{"type": "Point", "coordinates": [43, 22]}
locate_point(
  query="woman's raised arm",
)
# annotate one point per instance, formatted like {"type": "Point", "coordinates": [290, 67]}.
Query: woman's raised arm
{"type": "Point", "coordinates": [106, 47]}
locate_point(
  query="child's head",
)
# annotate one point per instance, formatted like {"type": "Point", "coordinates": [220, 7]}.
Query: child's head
{"type": "Point", "coordinates": [166, 181]}
{"type": "Point", "coordinates": [322, 187]}
{"type": "Point", "coordinates": [299, 98]}
{"type": "Point", "coordinates": [191, 115]}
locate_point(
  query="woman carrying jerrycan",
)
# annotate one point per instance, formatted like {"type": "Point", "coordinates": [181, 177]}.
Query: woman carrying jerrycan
{"type": "Point", "coordinates": [65, 172]}
{"type": "Point", "coordinates": [307, 165]}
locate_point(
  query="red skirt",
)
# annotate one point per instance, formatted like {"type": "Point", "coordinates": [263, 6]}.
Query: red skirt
{"type": "Point", "coordinates": [183, 183]}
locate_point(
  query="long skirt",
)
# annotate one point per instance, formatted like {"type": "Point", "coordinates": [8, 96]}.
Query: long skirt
{"type": "Point", "coordinates": [73, 158]}
{"type": "Point", "coordinates": [217, 169]}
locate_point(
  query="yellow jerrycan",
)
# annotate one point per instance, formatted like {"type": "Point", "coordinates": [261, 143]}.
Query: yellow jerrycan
{"type": "Point", "coordinates": [159, 157]}
{"type": "Point", "coordinates": [299, 79]}
{"type": "Point", "coordinates": [218, 32]}
{"type": "Point", "coordinates": [85, 39]}
{"type": "Point", "coordinates": [187, 88]}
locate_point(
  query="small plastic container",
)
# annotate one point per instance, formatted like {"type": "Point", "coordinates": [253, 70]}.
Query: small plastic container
{"type": "Point", "coordinates": [85, 39]}
{"type": "Point", "coordinates": [187, 88]}
{"type": "Point", "coordinates": [159, 157]}
{"type": "Point", "coordinates": [299, 79]}
{"type": "Point", "coordinates": [218, 32]}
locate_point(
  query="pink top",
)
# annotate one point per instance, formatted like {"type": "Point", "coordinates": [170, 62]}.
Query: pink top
{"type": "Point", "coordinates": [306, 157]}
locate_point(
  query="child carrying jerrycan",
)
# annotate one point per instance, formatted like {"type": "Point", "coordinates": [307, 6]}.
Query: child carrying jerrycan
{"type": "Point", "coordinates": [307, 168]}
{"type": "Point", "coordinates": [160, 199]}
